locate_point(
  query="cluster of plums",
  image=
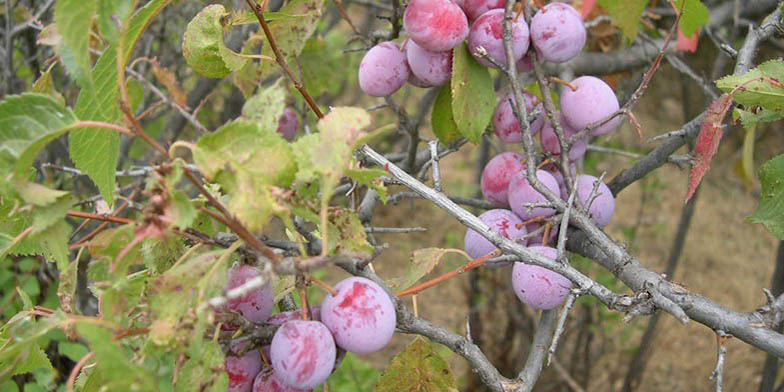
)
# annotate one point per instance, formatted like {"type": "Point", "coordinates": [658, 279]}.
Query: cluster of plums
{"type": "Point", "coordinates": [557, 34]}
{"type": "Point", "coordinates": [303, 353]}
{"type": "Point", "coordinates": [435, 27]}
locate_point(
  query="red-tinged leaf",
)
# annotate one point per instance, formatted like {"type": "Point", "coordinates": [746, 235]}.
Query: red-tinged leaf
{"type": "Point", "coordinates": [587, 8]}
{"type": "Point", "coordinates": [708, 140]}
{"type": "Point", "coordinates": [688, 44]}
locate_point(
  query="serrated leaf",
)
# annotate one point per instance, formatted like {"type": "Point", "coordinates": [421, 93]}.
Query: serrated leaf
{"type": "Point", "coordinates": [198, 372]}
{"type": "Point", "coordinates": [114, 360]}
{"type": "Point", "coordinates": [422, 261]}
{"type": "Point", "coordinates": [351, 237]}
{"type": "Point", "coordinates": [442, 119]}
{"type": "Point", "coordinates": [473, 97]}
{"type": "Point", "coordinates": [35, 358]}
{"type": "Point", "coordinates": [243, 146]}
{"type": "Point", "coordinates": [25, 119]}
{"type": "Point", "coordinates": [112, 15]}
{"type": "Point", "coordinates": [625, 14]}
{"type": "Point", "coordinates": [372, 179]}
{"type": "Point", "coordinates": [46, 217]}
{"type": "Point", "coordinates": [329, 152]}
{"type": "Point", "coordinates": [762, 86]}
{"type": "Point", "coordinates": [418, 368]}
{"type": "Point", "coordinates": [708, 141]}
{"type": "Point", "coordinates": [203, 46]}
{"type": "Point", "coordinates": [247, 161]}
{"type": "Point", "coordinates": [266, 106]}
{"type": "Point", "coordinates": [771, 208]}
{"type": "Point", "coordinates": [292, 33]}
{"type": "Point", "coordinates": [695, 15]}
{"type": "Point", "coordinates": [23, 335]}
{"type": "Point", "coordinates": [73, 19]}
{"type": "Point", "coordinates": [94, 150]}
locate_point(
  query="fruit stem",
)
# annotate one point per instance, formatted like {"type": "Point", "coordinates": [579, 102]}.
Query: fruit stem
{"type": "Point", "coordinates": [553, 79]}
{"type": "Point", "coordinates": [324, 286]}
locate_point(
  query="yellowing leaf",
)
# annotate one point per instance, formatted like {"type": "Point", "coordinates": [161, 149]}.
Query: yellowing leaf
{"type": "Point", "coordinates": [203, 46]}
{"type": "Point", "coordinates": [418, 368]}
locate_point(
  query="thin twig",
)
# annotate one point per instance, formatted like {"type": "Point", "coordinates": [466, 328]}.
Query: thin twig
{"type": "Point", "coordinates": [259, 12]}
{"type": "Point", "coordinates": [718, 372]}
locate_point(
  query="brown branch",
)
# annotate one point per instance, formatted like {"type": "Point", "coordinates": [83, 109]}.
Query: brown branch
{"type": "Point", "coordinates": [449, 275]}
{"type": "Point", "coordinates": [259, 11]}
{"type": "Point", "coordinates": [105, 218]}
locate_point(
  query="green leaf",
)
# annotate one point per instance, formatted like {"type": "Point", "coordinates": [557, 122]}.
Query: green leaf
{"type": "Point", "coordinates": [243, 147]}
{"type": "Point", "coordinates": [198, 372]}
{"type": "Point", "coordinates": [473, 97]}
{"type": "Point", "coordinates": [771, 209]}
{"type": "Point", "coordinates": [626, 14]}
{"type": "Point", "coordinates": [695, 15]}
{"type": "Point", "coordinates": [114, 360]}
{"type": "Point", "coordinates": [322, 53]}
{"type": "Point", "coordinates": [203, 46]}
{"type": "Point", "coordinates": [174, 295]}
{"type": "Point", "coordinates": [351, 236]}
{"type": "Point", "coordinates": [370, 178]}
{"type": "Point", "coordinates": [112, 15]}
{"type": "Point", "coordinates": [755, 91]}
{"type": "Point", "coordinates": [94, 150]}
{"type": "Point", "coordinates": [292, 33]}
{"type": "Point", "coordinates": [247, 161]}
{"type": "Point", "coordinates": [74, 351]}
{"type": "Point", "coordinates": [329, 152]}
{"type": "Point", "coordinates": [443, 119]}
{"type": "Point", "coordinates": [266, 106]}
{"type": "Point", "coordinates": [418, 368]}
{"type": "Point", "coordinates": [25, 119]}
{"type": "Point", "coordinates": [73, 19]}
{"type": "Point", "coordinates": [422, 261]}
{"type": "Point", "coordinates": [35, 358]}
{"type": "Point", "coordinates": [45, 85]}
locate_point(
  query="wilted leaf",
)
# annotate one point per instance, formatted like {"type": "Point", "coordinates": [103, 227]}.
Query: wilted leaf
{"type": "Point", "coordinates": [169, 80]}
{"type": "Point", "coordinates": [708, 141]}
{"type": "Point", "coordinates": [771, 208]}
{"type": "Point", "coordinates": [473, 97]}
{"type": "Point", "coordinates": [418, 368]}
